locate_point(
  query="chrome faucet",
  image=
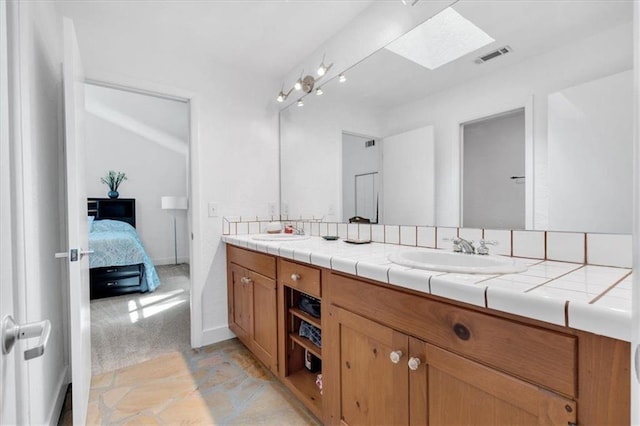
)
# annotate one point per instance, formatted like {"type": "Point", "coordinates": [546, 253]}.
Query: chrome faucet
{"type": "Point", "coordinates": [461, 245]}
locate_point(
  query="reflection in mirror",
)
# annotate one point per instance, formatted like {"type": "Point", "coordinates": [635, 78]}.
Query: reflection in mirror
{"type": "Point", "coordinates": [567, 67]}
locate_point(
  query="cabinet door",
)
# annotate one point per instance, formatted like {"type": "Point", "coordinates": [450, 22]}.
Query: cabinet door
{"type": "Point", "coordinates": [240, 302]}
{"type": "Point", "coordinates": [449, 389]}
{"type": "Point", "coordinates": [265, 335]}
{"type": "Point", "coordinates": [364, 385]}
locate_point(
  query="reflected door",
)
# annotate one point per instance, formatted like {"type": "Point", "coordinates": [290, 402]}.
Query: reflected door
{"type": "Point", "coordinates": [493, 183]}
{"type": "Point", "coordinates": [367, 196]}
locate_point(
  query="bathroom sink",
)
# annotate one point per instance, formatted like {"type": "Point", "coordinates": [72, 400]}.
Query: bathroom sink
{"type": "Point", "coordinates": [280, 237]}
{"type": "Point", "coordinates": [445, 261]}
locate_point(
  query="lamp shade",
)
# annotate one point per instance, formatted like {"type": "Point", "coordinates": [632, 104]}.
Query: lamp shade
{"type": "Point", "coordinates": [174, 203]}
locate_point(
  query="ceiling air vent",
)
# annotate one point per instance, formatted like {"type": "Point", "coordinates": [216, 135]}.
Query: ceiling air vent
{"type": "Point", "coordinates": [499, 52]}
{"type": "Point", "coordinates": [369, 144]}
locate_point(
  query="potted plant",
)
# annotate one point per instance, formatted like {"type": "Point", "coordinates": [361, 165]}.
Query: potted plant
{"type": "Point", "coordinates": [113, 180]}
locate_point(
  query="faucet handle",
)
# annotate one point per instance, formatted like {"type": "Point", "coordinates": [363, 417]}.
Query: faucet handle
{"type": "Point", "coordinates": [483, 249]}
{"type": "Point", "coordinates": [456, 243]}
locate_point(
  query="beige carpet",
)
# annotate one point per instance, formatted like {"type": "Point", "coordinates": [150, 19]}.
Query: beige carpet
{"type": "Point", "coordinates": [129, 329]}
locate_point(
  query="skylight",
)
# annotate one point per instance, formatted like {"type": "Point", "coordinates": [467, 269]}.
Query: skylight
{"type": "Point", "coordinates": [444, 38]}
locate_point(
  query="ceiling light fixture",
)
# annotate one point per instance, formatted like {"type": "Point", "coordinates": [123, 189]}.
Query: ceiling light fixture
{"type": "Point", "coordinates": [342, 78]}
{"type": "Point", "coordinates": [306, 83]}
{"type": "Point", "coordinates": [322, 69]}
{"type": "Point", "coordinates": [283, 96]}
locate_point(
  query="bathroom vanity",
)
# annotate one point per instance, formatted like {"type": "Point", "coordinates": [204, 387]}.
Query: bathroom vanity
{"type": "Point", "coordinates": [394, 354]}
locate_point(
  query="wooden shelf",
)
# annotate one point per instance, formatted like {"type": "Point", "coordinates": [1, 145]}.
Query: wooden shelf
{"type": "Point", "coordinates": [306, 317]}
{"type": "Point", "coordinates": [307, 344]}
{"type": "Point", "coordinates": [303, 384]}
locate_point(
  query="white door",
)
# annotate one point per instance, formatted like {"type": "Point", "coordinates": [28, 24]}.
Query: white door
{"type": "Point", "coordinates": [9, 362]}
{"type": "Point", "coordinates": [79, 313]}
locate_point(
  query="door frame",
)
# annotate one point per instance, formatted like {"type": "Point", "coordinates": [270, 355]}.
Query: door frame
{"type": "Point", "coordinates": [529, 160]}
{"type": "Point", "coordinates": [14, 372]}
{"type": "Point", "coordinates": [193, 219]}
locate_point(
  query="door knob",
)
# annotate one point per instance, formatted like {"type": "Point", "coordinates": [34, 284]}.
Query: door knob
{"type": "Point", "coordinates": [12, 332]}
{"type": "Point", "coordinates": [395, 356]}
{"type": "Point", "coordinates": [413, 363]}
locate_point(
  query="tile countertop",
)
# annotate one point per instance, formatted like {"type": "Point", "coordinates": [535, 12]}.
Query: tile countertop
{"type": "Point", "coordinates": [596, 298]}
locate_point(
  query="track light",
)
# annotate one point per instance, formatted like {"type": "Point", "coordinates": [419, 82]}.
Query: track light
{"type": "Point", "coordinates": [322, 69]}
{"type": "Point", "coordinates": [306, 83]}
{"type": "Point", "coordinates": [342, 78]}
{"type": "Point", "coordinates": [283, 96]}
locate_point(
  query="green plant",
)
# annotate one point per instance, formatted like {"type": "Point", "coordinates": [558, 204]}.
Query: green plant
{"type": "Point", "coordinates": [113, 179]}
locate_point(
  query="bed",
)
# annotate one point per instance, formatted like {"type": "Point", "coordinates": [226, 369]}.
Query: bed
{"type": "Point", "coordinates": [119, 263]}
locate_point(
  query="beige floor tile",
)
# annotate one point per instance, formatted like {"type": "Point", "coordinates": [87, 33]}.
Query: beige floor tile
{"type": "Point", "coordinates": [155, 395]}
{"type": "Point", "coordinates": [188, 411]}
{"type": "Point", "coordinates": [102, 380]}
{"type": "Point", "coordinates": [143, 420]}
{"type": "Point", "coordinates": [170, 365]}
{"type": "Point", "coordinates": [112, 397]}
{"type": "Point", "coordinates": [94, 416]}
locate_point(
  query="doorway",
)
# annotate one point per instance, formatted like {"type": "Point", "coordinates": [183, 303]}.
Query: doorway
{"type": "Point", "coordinates": [146, 136]}
{"type": "Point", "coordinates": [493, 171]}
{"type": "Point", "coordinates": [360, 177]}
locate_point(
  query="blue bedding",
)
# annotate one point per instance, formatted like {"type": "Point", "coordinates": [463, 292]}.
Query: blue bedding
{"type": "Point", "coordinates": [117, 243]}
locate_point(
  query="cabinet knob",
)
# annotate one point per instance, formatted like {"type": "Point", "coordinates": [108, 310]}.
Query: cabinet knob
{"type": "Point", "coordinates": [395, 356]}
{"type": "Point", "coordinates": [246, 280]}
{"type": "Point", "coordinates": [413, 363]}
{"type": "Point", "coordinates": [461, 331]}
{"type": "Point", "coordinates": [295, 277]}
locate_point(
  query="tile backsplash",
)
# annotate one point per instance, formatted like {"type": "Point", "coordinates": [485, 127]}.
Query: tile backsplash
{"type": "Point", "coordinates": [576, 247]}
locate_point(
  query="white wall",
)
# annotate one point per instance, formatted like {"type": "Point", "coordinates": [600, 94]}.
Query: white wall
{"type": "Point", "coordinates": [408, 177]}
{"type": "Point", "coordinates": [502, 91]}
{"type": "Point", "coordinates": [594, 119]}
{"type": "Point", "coordinates": [41, 284]}
{"type": "Point", "coordinates": [356, 160]}
{"type": "Point", "coordinates": [147, 138]}
{"type": "Point", "coordinates": [234, 154]}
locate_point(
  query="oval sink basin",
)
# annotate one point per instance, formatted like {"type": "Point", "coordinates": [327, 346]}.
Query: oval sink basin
{"type": "Point", "coordinates": [280, 237]}
{"type": "Point", "coordinates": [444, 261]}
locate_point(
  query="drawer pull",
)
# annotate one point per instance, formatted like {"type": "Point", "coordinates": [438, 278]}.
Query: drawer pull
{"type": "Point", "coordinates": [295, 277]}
{"type": "Point", "coordinates": [413, 363]}
{"type": "Point", "coordinates": [395, 356]}
{"type": "Point", "coordinates": [462, 331]}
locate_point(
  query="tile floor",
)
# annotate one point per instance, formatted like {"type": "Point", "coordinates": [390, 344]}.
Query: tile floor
{"type": "Point", "coordinates": [222, 384]}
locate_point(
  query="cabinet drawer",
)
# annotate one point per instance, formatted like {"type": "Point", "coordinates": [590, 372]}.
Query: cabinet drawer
{"type": "Point", "coordinates": [542, 356]}
{"type": "Point", "coordinates": [301, 277]}
{"type": "Point", "coordinates": [115, 272]}
{"type": "Point", "coordinates": [258, 262]}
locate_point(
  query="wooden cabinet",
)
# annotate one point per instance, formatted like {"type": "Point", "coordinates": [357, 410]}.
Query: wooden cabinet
{"type": "Point", "coordinates": [296, 281]}
{"type": "Point", "coordinates": [382, 376]}
{"type": "Point", "coordinates": [395, 356]}
{"type": "Point", "coordinates": [427, 361]}
{"type": "Point", "coordinates": [252, 305]}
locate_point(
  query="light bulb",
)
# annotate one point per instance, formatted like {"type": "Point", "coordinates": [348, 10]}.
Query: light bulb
{"type": "Point", "coordinates": [322, 70]}
{"type": "Point", "coordinates": [300, 103]}
{"type": "Point", "coordinates": [342, 78]}
{"type": "Point", "coordinates": [280, 97]}
{"type": "Point", "coordinates": [319, 91]}
{"type": "Point", "coordinates": [298, 85]}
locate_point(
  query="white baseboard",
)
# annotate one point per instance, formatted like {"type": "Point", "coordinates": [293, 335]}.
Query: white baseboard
{"type": "Point", "coordinates": [169, 261]}
{"type": "Point", "coordinates": [56, 409]}
{"type": "Point", "coordinates": [215, 335]}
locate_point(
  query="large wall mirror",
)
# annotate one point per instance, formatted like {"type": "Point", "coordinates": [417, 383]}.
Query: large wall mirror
{"type": "Point", "coordinates": [493, 114]}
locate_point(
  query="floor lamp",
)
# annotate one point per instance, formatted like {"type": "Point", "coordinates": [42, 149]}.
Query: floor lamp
{"type": "Point", "coordinates": [173, 205]}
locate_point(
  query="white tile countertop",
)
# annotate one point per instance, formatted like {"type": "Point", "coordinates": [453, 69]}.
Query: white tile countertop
{"type": "Point", "coordinates": [591, 298]}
